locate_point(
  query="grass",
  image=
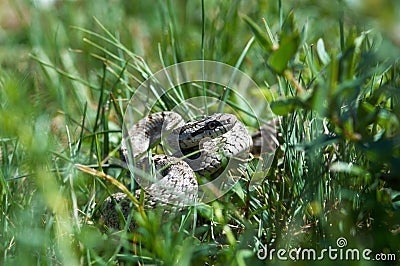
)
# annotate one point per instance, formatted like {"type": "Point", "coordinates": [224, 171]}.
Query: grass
{"type": "Point", "coordinates": [329, 69]}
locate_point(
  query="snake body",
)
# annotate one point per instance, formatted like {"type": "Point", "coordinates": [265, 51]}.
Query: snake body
{"type": "Point", "coordinates": [199, 146]}
{"type": "Point", "coordinates": [209, 139]}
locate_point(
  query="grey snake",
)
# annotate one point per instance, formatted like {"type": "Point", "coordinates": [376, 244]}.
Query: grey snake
{"type": "Point", "coordinates": [203, 146]}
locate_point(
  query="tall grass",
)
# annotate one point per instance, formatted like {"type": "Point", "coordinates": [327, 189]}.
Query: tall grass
{"type": "Point", "coordinates": [330, 70]}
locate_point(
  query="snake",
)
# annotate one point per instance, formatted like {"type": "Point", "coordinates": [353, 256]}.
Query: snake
{"type": "Point", "coordinates": [202, 146]}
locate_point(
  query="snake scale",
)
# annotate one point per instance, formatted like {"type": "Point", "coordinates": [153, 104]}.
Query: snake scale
{"type": "Point", "coordinates": [199, 146]}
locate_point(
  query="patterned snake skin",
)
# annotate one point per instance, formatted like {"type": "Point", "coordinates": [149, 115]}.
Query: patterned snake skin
{"type": "Point", "coordinates": [199, 146]}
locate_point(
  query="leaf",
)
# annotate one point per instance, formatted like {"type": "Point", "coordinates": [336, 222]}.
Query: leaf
{"type": "Point", "coordinates": [288, 26]}
{"type": "Point", "coordinates": [322, 54]}
{"type": "Point", "coordinates": [259, 34]}
{"type": "Point", "coordinates": [239, 191]}
{"type": "Point", "coordinates": [286, 106]}
{"type": "Point", "coordinates": [242, 255]}
{"type": "Point", "coordinates": [348, 168]}
{"type": "Point", "coordinates": [286, 51]}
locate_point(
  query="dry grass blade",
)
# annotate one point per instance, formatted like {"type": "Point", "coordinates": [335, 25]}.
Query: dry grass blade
{"type": "Point", "coordinates": [112, 180]}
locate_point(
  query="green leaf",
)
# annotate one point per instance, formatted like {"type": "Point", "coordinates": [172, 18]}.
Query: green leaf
{"type": "Point", "coordinates": [286, 51]}
{"type": "Point", "coordinates": [286, 106]}
{"type": "Point", "coordinates": [242, 255]}
{"type": "Point", "coordinates": [239, 191]}
{"type": "Point", "coordinates": [259, 34]}
{"type": "Point", "coordinates": [288, 27]}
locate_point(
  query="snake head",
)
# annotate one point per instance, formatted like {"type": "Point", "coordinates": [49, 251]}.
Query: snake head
{"type": "Point", "coordinates": [192, 133]}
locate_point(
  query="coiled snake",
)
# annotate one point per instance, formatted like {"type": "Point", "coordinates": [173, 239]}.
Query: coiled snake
{"type": "Point", "coordinates": [201, 146]}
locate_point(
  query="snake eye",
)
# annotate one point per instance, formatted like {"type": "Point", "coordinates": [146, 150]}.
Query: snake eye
{"type": "Point", "coordinates": [212, 125]}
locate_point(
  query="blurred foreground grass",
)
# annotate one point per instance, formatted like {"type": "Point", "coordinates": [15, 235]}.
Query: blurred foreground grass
{"type": "Point", "coordinates": [330, 69]}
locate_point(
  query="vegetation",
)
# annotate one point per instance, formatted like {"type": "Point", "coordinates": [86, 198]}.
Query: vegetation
{"type": "Point", "coordinates": [330, 70]}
